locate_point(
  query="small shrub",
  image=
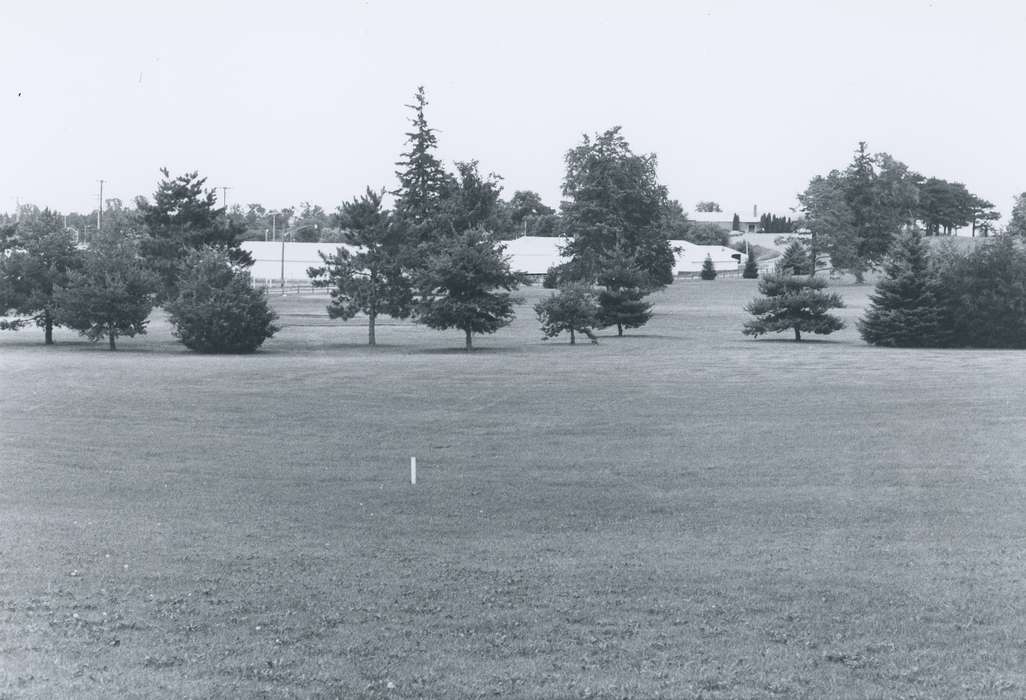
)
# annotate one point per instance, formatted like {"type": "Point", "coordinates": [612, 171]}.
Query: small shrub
{"type": "Point", "coordinates": [708, 269]}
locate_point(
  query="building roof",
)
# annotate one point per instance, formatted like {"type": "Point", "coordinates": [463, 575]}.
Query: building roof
{"type": "Point", "coordinates": [719, 217]}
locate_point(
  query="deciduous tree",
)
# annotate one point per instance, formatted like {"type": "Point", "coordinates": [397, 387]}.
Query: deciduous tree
{"type": "Point", "coordinates": [613, 200]}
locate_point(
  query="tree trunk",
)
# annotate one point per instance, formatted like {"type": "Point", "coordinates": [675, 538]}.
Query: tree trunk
{"type": "Point", "coordinates": [111, 335]}
{"type": "Point", "coordinates": [572, 339]}
{"type": "Point", "coordinates": [470, 344]}
{"type": "Point", "coordinates": [797, 334]}
{"type": "Point", "coordinates": [370, 329]}
{"type": "Point", "coordinates": [47, 328]}
{"type": "Point", "coordinates": [619, 329]}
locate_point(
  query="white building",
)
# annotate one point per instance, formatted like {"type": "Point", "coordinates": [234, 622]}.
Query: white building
{"type": "Point", "coordinates": [531, 254]}
{"type": "Point", "coordinates": [290, 259]}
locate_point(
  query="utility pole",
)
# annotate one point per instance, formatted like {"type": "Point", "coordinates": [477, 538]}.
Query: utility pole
{"type": "Point", "coordinates": [99, 210]}
{"type": "Point", "coordinates": [224, 197]}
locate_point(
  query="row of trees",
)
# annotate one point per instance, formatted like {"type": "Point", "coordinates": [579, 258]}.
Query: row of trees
{"type": "Point", "coordinates": [436, 257]}
{"type": "Point", "coordinates": [184, 256]}
{"type": "Point", "coordinates": [940, 298]}
{"type": "Point", "coordinates": [854, 215]}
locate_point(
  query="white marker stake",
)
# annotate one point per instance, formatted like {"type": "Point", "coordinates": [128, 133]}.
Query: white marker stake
{"type": "Point", "coordinates": [413, 470]}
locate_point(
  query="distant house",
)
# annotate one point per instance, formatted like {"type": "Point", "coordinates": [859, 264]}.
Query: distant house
{"type": "Point", "coordinates": [725, 219]}
{"type": "Point", "coordinates": [689, 258]}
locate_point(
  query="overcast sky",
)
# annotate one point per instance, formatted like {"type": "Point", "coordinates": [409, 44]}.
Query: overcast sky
{"type": "Point", "coordinates": [743, 102]}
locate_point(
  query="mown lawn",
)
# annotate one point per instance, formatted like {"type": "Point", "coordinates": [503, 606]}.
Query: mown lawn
{"type": "Point", "coordinates": [684, 512]}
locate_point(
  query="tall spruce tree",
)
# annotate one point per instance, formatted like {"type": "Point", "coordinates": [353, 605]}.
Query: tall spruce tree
{"type": "Point", "coordinates": [793, 303]}
{"type": "Point", "coordinates": [423, 182]}
{"type": "Point", "coordinates": [905, 310]}
{"type": "Point", "coordinates": [370, 279]}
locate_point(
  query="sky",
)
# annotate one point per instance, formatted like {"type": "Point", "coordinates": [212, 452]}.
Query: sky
{"type": "Point", "coordinates": [285, 102]}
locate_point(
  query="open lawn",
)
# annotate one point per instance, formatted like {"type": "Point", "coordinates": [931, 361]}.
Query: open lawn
{"type": "Point", "coordinates": [684, 512]}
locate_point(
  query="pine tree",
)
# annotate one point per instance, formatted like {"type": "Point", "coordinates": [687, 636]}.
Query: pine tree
{"type": "Point", "coordinates": [459, 286]}
{"type": "Point", "coordinates": [184, 217]}
{"type": "Point", "coordinates": [423, 182]}
{"type": "Point", "coordinates": [793, 303]}
{"type": "Point", "coordinates": [795, 260]}
{"type": "Point", "coordinates": [371, 280]}
{"type": "Point", "coordinates": [572, 309]}
{"type": "Point", "coordinates": [905, 310]}
{"type": "Point", "coordinates": [217, 310]}
{"type": "Point", "coordinates": [111, 295]}
{"type": "Point", "coordinates": [751, 270]}
{"type": "Point", "coordinates": [621, 301]}
{"type": "Point", "coordinates": [1017, 222]}
{"type": "Point", "coordinates": [708, 269]}
{"type": "Point", "coordinates": [735, 224]}
{"type": "Point", "coordinates": [39, 255]}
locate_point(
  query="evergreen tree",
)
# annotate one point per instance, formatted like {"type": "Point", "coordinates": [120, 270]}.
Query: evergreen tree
{"type": "Point", "coordinates": [1017, 222]}
{"type": "Point", "coordinates": [371, 280]}
{"type": "Point", "coordinates": [793, 303]}
{"type": "Point", "coordinates": [905, 310]}
{"type": "Point", "coordinates": [460, 283]}
{"type": "Point", "coordinates": [614, 202]}
{"type": "Point", "coordinates": [217, 310]}
{"type": "Point", "coordinates": [423, 182]}
{"type": "Point", "coordinates": [185, 217]}
{"type": "Point", "coordinates": [984, 294]}
{"type": "Point", "coordinates": [38, 255]}
{"type": "Point", "coordinates": [571, 309]}
{"type": "Point", "coordinates": [735, 224]}
{"type": "Point", "coordinates": [621, 301]}
{"type": "Point", "coordinates": [795, 260]}
{"type": "Point", "coordinates": [751, 270]}
{"type": "Point", "coordinates": [708, 269]}
{"type": "Point", "coordinates": [111, 294]}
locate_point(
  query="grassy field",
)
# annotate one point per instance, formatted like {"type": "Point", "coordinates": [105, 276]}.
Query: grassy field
{"type": "Point", "coordinates": [684, 512]}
